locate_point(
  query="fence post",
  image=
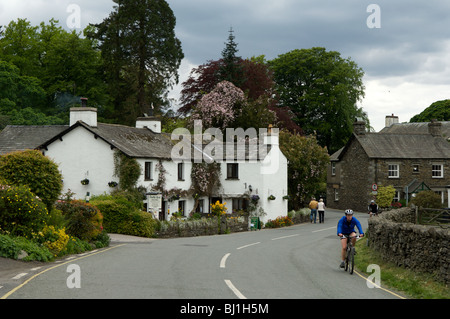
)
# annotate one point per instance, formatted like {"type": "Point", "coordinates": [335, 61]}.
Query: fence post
{"type": "Point", "coordinates": [417, 214]}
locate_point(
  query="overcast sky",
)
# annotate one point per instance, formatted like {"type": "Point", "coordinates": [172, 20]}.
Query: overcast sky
{"type": "Point", "coordinates": [403, 46]}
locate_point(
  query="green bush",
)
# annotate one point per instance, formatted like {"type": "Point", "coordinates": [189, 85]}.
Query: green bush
{"type": "Point", "coordinates": [33, 169]}
{"type": "Point", "coordinates": [427, 199]}
{"type": "Point", "coordinates": [83, 219]}
{"type": "Point", "coordinates": [385, 195]}
{"type": "Point", "coordinates": [121, 216]}
{"type": "Point", "coordinates": [10, 247]}
{"type": "Point", "coordinates": [21, 213]}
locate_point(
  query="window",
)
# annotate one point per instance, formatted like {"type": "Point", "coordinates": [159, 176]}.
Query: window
{"type": "Point", "coordinates": [333, 169]}
{"type": "Point", "coordinates": [437, 171]}
{"type": "Point", "coordinates": [148, 171]}
{"type": "Point", "coordinates": [393, 171]}
{"type": "Point", "coordinates": [181, 207]}
{"type": "Point", "coordinates": [336, 194]}
{"type": "Point", "coordinates": [233, 171]}
{"type": "Point", "coordinates": [415, 168]}
{"type": "Point", "coordinates": [239, 204]}
{"type": "Point", "coordinates": [181, 171]}
{"type": "Point", "coordinates": [200, 206]}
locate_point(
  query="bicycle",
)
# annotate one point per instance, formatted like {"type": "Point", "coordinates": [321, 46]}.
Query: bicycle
{"type": "Point", "coordinates": [350, 254]}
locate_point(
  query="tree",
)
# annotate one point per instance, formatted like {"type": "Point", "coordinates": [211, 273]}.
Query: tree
{"type": "Point", "coordinates": [51, 67]}
{"type": "Point", "coordinates": [220, 107]}
{"type": "Point", "coordinates": [385, 196]}
{"type": "Point", "coordinates": [439, 110]}
{"type": "Point", "coordinates": [231, 69]}
{"type": "Point", "coordinates": [307, 163]}
{"type": "Point", "coordinates": [321, 89]}
{"type": "Point", "coordinates": [141, 53]}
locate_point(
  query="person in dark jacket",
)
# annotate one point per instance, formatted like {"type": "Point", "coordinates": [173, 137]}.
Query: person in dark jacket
{"type": "Point", "coordinates": [372, 208]}
{"type": "Point", "coordinates": [346, 226]}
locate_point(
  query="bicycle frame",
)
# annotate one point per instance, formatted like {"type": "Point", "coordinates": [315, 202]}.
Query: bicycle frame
{"type": "Point", "coordinates": [350, 256]}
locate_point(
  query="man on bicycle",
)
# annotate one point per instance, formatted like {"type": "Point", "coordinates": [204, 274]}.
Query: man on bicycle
{"type": "Point", "coordinates": [346, 226]}
{"type": "Point", "coordinates": [372, 208]}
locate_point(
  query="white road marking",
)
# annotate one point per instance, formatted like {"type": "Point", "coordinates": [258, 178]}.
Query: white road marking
{"type": "Point", "coordinates": [242, 247]}
{"type": "Point", "coordinates": [234, 289]}
{"type": "Point", "coordinates": [315, 231]}
{"type": "Point", "coordinates": [20, 275]}
{"type": "Point", "coordinates": [224, 260]}
{"type": "Point", "coordinates": [285, 237]}
{"type": "Point", "coordinates": [36, 268]}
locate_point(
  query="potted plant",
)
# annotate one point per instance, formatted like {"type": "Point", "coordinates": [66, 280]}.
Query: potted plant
{"type": "Point", "coordinates": [112, 184]}
{"type": "Point", "coordinates": [271, 197]}
{"type": "Point", "coordinates": [85, 181]}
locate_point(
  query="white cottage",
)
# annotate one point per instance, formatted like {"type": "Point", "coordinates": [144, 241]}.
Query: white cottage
{"type": "Point", "coordinates": [85, 150]}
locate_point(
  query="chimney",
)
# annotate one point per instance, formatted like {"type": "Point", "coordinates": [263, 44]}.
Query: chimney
{"type": "Point", "coordinates": [434, 128]}
{"type": "Point", "coordinates": [150, 122]}
{"type": "Point", "coordinates": [391, 119]}
{"type": "Point", "coordinates": [359, 126]}
{"type": "Point", "coordinates": [84, 113]}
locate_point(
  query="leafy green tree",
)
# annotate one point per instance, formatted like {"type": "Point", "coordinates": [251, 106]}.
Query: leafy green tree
{"type": "Point", "coordinates": [141, 53]}
{"type": "Point", "coordinates": [307, 163]}
{"type": "Point", "coordinates": [439, 110]}
{"type": "Point", "coordinates": [50, 63]}
{"type": "Point", "coordinates": [322, 90]}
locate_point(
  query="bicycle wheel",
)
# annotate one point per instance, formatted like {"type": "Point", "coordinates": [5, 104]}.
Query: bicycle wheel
{"type": "Point", "coordinates": [346, 260]}
{"type": "Point", "coordinates": [351, 260]}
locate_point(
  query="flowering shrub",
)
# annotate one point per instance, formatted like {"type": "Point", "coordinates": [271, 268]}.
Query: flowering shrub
{"type": "Point", "coordinates": [35, 170]}
{"type": "Point", "coordinates": [281, 221]}
{"type": "Point", "coordinates": [218, 209]}
{"type": "Point", "coordinates": [54, 239]}
{"type": "Point", "coordinates": [22, 212]}
{"type": "Point", "coordinates": [219, 107]}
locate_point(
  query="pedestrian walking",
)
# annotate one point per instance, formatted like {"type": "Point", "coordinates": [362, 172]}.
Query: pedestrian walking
{"type": "Point", "coordinates": [313, 206]}
{"type": "Point", "coordinates": [321, 210]}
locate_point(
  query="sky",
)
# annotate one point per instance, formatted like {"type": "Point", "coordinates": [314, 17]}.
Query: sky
{"type": "Point", "coordinates": [403, 46]}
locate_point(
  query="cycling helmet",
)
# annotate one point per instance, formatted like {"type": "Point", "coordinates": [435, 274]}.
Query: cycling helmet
{"type": "Point", "coordinates": [348, 212]}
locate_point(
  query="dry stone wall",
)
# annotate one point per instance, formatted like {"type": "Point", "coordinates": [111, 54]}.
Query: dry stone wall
{"type": "Point", "coordinates": [418, 247]}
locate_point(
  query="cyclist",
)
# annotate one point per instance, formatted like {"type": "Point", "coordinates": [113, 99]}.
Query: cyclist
{"type": "Point", "coordinates": [372, 208]}
{"type": "Point", "coordinates": [346, 226]}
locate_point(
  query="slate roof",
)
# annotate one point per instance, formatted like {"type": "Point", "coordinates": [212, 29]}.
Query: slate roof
{"type": "Point", "coordinates": [134, 142]}
{"type": "Point", "coordinates": [19, 138]}
{"type": "Point", "coordinates": [415, 128]}
{"type": "Point", "coordinates": [402, 141]}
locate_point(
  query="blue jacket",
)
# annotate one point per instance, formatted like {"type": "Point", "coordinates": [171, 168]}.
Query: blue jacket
{"type": "Point", "coordinates": [345, 227]}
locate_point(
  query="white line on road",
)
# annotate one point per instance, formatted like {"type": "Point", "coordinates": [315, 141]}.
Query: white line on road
{"type": "Point", "coordinates": [315, 231]}
{"type": "Point", "coordinates": [285, 237]}
{"type": "Point", "coordinates": [224, 260]}
{"type": "Point", "coordinates": [36, 268]}
{"type": "Point", "coordinates": [20, 275]}
{"type": "Point", "coordinates": [242, 247]}
{"type": "Point", "coordinates": [234, 289]}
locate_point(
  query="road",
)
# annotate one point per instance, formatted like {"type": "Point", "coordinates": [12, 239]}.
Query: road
{"type": "Point", "coordinates": [300, 261]}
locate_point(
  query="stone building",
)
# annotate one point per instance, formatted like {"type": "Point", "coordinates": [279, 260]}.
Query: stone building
{"type": "Point", "coordinates": [409, 156]}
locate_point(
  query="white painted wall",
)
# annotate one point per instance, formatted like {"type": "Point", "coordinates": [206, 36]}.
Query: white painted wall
{"type": "Point", "coordinates": [79, 155]}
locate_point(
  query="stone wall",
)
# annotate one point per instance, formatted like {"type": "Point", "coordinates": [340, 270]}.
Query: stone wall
{"type": "Point", "coordinates": [421, 248]}
{"type": "Point", "coordinates": [202, 227]}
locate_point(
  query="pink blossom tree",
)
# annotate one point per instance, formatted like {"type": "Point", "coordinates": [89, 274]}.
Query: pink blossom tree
{"type": "Point", "coordinates": [220, 107]}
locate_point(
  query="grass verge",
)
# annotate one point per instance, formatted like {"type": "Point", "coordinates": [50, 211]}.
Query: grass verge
{"type": "Point", "coordinates": [409, 283]}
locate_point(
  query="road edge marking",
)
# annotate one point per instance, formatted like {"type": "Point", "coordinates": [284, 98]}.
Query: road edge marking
{"type": "Point", "coordinates": [5, 296]}
{"type": "Point", "coordinates": [234, 289]}
{"type": "Point", "coordinates": [377, 286]}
